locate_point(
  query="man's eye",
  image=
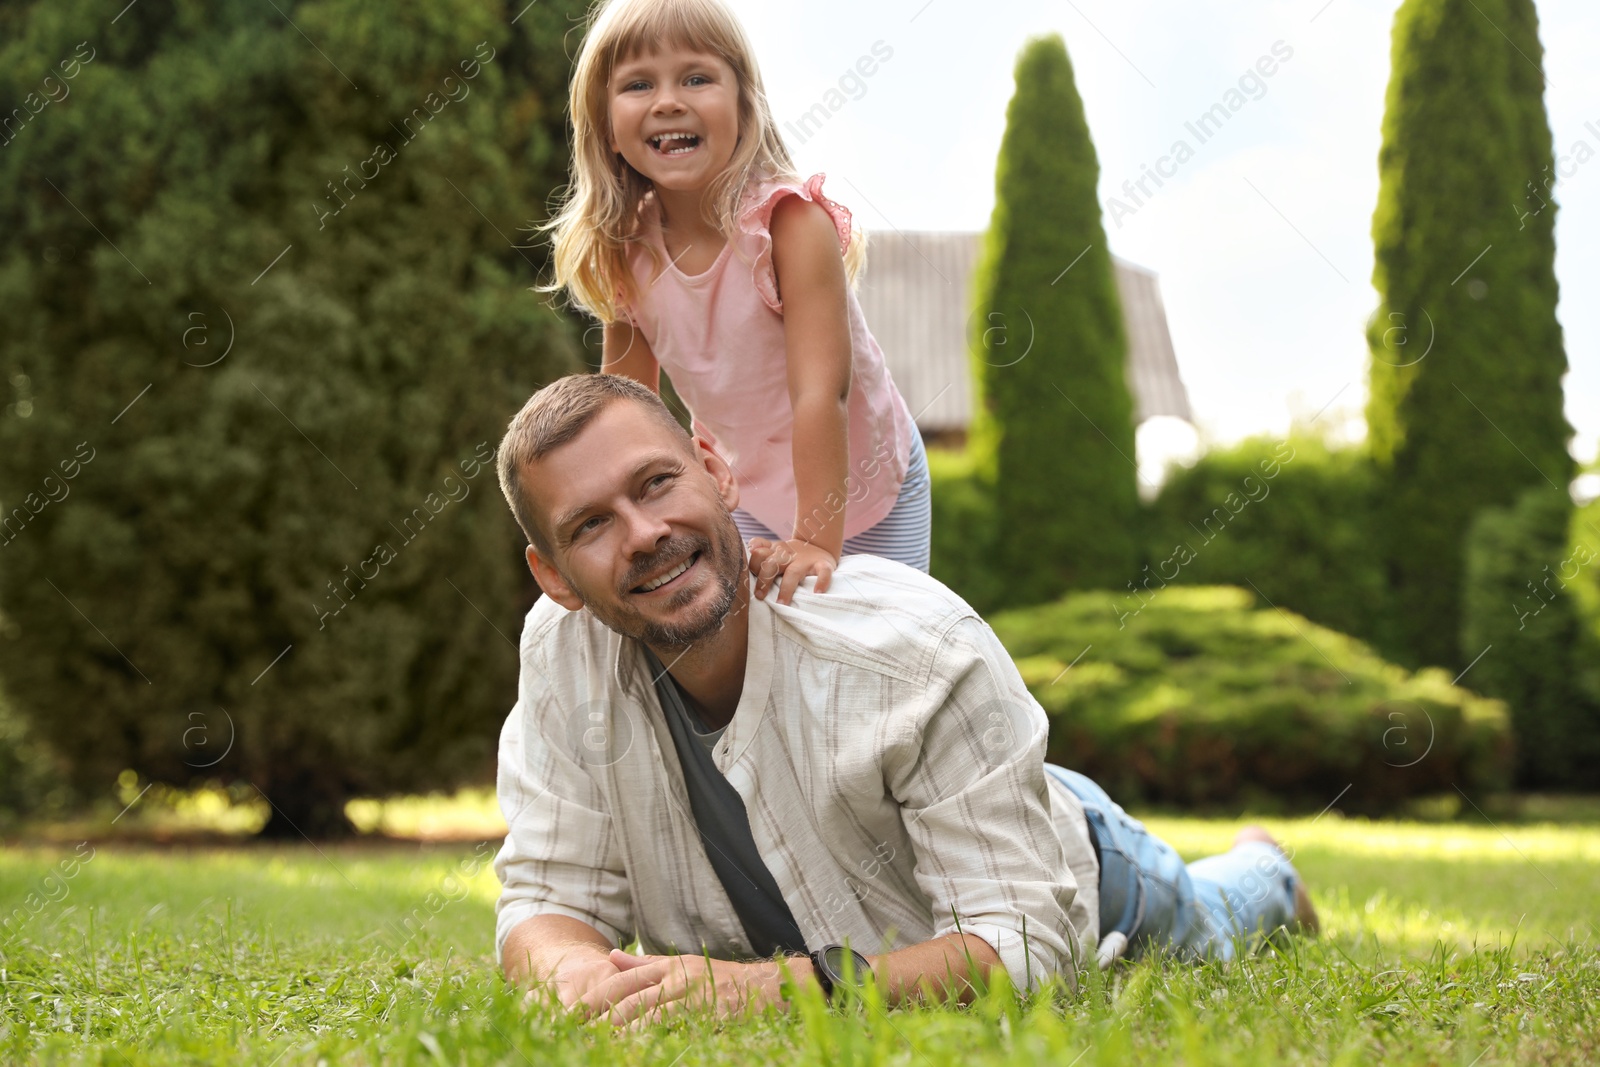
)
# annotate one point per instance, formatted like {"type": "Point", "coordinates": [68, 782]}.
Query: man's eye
{"type": "Point", "coordinates": [588, 525]}
{"type": "Point", "coordinates": [659, 480]}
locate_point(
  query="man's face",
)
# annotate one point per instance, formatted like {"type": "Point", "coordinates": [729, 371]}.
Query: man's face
{"type": "Point", "coordinates": [640, 529]}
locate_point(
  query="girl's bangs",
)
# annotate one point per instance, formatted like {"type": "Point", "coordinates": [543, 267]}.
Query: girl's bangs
{"type": "Point", "coordinates": [648, 28]}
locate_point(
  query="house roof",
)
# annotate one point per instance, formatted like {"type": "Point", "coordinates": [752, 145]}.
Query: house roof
{"type": "Point", "coordinates": [917, 296]}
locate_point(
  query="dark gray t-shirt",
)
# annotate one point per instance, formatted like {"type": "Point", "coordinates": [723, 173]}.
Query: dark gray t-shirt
{"type": "Point", "coordinates": [725, 827]}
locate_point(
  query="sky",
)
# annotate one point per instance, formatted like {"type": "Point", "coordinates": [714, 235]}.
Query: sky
{"type": "Point", "coordinates": [1262, 240]}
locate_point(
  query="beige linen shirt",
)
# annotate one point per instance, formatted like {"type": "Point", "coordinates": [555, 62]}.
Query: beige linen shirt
{"type": "Point", "coordinates": [888, 754]}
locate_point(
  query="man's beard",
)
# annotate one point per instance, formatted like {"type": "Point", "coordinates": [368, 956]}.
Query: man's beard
{"type": "Point", "coordinates": [723, 554]}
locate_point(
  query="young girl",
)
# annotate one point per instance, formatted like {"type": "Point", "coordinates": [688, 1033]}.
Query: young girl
{"type": "Point", "coordinates": [689, 234]}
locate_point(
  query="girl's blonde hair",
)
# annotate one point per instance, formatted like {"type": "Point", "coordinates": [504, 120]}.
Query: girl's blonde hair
{"type": "Point", "coordinates": [598, 222]}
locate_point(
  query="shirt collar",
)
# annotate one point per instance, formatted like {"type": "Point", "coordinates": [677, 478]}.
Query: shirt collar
{"type": "Point", "coordinates": [630, 663]}
{"type": "Point", "coordinates": [760, 647]}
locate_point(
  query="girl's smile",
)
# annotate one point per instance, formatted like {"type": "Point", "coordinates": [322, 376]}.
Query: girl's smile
{"type": "Point", "coordinates": [675, 144]}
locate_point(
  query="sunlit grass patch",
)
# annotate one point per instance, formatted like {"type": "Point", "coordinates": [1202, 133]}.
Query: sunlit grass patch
{"type": "Point", "coordinates": [469, 813]}
{"type": "Point", "coordinates": [370, 952]}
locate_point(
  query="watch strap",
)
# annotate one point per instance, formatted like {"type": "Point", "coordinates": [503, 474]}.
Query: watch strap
{"type": "Point", "coordinates": [824, 979]}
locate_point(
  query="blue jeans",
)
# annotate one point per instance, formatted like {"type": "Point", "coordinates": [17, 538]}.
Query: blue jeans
{"type": "Point", "coordinates": [1206, 909]}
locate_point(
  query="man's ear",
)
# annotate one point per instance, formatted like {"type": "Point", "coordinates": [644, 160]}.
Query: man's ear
{"type": "Point", "coordinates": [555, 587]}
{"type": "Point", "coordinates": [721, 473]}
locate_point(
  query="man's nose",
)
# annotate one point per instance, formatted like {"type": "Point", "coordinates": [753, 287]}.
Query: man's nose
{"type": "Point", "coordinates": [644, 530]}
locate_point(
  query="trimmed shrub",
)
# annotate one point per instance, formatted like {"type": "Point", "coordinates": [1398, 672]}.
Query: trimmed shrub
{"type": "Point", "coordinates": [1466, 402]}
{"type": "Point", "coordinates": [1293, 518]}
{"type": "Point", "coordinates": [1525, 618]}
{"type": "Point", "coordinates": [1206, 698]}
{"type": "Point", "coordinates": [1052, 416]}
{"type": "Point", "coordinates": [963, 529]}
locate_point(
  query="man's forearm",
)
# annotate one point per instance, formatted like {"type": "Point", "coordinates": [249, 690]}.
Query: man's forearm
{"type": "Point", "coordinates": [574, 957]}
{"type": "Point", "coordinates": [946, 968]}
{"type": "Point", "coordinates": [948, 965]}
{"type": "Point", "coordinates": [537, 948]}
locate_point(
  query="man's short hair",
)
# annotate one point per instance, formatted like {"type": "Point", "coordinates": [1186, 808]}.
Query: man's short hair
{"type": "Point", "coordinates": [555, 415]}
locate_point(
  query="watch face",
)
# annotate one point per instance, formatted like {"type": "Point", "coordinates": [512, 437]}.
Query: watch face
{"type": "Point", "coordinates": [834, 957]}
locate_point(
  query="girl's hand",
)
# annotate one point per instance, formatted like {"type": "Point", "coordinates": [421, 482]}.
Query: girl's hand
{"type": "Point", "coordinates": [791, 561]}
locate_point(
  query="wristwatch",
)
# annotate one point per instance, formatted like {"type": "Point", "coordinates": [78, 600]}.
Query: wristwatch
{"type": "Point", "coordinates": [829, 963]}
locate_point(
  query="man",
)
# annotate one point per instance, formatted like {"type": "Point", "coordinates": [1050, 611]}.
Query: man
{"type": "Point", "coordinates": [735, 780]}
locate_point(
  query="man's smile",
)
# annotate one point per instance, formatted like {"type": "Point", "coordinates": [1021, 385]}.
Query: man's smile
{"type": "Point", "coordinates": [668, 578]}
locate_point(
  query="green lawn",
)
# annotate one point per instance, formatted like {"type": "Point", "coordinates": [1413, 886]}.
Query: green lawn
{"type": "Point", "coordinates": [1454, 943]}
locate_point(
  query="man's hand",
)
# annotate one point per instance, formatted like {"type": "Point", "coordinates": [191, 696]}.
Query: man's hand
{"type": "Point", "coordinates": [567, 955]}
{"type": "Point", "coordinates": [650, 988]}
{"type": "Point", "coordinates": [578, 975]}
{"type": "Point", "coordinates": [791, 561]}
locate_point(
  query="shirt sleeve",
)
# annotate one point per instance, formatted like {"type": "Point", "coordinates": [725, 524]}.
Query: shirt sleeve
{"type": "Point", "coordinates": [968, 771]}
{"type": "Point", "coordinates": [561, 855]}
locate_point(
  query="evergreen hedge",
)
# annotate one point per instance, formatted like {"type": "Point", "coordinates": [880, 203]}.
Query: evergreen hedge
{"type": "Point", "coordinates": [1466, 403]}
{"type": "Point", "coordinates": [963, 554]}
{"type": "Point", "coordinates": [1052, 428]}
{"type": "Point", "coordinates": [1293, 518]}
{"type": "Point", "coordinates": [1214, 698]}
{"type": "Point", "coordinates": [1530, 584]}
{"type": "Point", "coordinates": [264, 327]}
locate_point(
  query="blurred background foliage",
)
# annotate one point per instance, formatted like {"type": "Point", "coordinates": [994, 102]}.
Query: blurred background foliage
{"type": "Point", "coordinates": [378, 331]}
{"type": "Point", "coordinates": [1447, 544]}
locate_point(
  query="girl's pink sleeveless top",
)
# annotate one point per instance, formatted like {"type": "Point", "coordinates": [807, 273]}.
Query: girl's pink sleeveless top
{"type": "Point", "coordinates": [719, 335]}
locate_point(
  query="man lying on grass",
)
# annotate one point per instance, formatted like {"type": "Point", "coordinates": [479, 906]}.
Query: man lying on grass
{"type": "Point", "coordinates": [741, 780]}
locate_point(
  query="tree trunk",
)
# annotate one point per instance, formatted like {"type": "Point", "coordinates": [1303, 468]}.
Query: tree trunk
{"type": "Point", "coordinates": [307, 804]}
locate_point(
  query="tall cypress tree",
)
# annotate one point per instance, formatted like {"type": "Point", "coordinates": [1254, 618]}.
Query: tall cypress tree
{"type": "Point", "coordinates": [1053, 422]}
{"type": "Point", "coordinates": [1466, 403]}
{"type": "Point", "coordinates": [263, 329]}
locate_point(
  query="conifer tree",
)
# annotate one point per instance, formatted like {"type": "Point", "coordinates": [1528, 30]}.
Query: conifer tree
{"type": "Point", "coordinates": [1053, 422]}
{"type": "Point", "coordinates": [1466, 401]}
{"type": "Point", "coordinates": [264, 328]}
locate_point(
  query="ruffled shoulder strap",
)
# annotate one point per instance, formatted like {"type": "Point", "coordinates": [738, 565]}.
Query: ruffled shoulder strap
{"type": "Point", "coordinates": [755, 220]}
